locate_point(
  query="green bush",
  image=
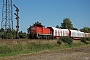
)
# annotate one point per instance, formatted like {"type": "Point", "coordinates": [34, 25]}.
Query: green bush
{"type": "Point", "coordinates": [84, 40]}
{"type": "Point", "coordinates": [59, 42]}
{"type": "Point", "coordinates": [68, 40]}
{"type": "Point", "coordinates": [88, 38]}
{"type": "Point", "coordinates": [23, 36]}
{"type": "Point", "coordinates": [65, 39]}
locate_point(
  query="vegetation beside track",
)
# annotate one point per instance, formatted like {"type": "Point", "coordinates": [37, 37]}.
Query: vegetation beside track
{"type": "Point", "coordinates": [24, 47]}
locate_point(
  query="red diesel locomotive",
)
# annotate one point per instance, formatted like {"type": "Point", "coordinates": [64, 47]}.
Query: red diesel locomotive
{"type": "Point", "coordinates": [40, 32]}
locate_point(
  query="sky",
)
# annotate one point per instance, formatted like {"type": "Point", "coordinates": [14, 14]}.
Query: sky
{"type": "Point", "coordinates": [51, 12]}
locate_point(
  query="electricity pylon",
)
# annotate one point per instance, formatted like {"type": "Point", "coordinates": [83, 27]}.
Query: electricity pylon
{"type": "Point", "coordinates": [7, 15]}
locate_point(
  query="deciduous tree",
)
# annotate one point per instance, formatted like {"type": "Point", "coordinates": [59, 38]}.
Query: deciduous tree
{"type": "Point", "coordinates": [57, 26]}
{"type": "Point", "coordinates": [67, 24]}
{"type": "Point", "coordinates": [85, 29]}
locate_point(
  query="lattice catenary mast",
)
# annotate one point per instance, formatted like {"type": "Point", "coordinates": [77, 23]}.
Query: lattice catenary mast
{"type": "Point", "coordinates": [7, 15]}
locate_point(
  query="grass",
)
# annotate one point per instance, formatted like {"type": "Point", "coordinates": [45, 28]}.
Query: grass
{"type": "Point", "coordinates": [15, 48]}
{"type": "Point", "coordinates": [25, 47]}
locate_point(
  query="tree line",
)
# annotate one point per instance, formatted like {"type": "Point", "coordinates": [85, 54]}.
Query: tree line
{"type": "Point", "coordinates": [66, 24]}
{"type": "Point", "coordinates": [11, 34]}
